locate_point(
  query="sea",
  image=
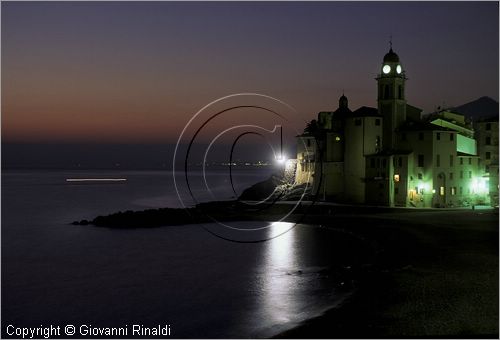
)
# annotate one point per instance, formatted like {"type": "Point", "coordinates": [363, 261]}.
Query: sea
{"type": "Point", "coordinates": [201, 286]}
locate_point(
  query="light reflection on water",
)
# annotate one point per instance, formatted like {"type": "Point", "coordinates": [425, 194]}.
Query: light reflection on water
{"type": "Point", "coordinates": [279, 302]}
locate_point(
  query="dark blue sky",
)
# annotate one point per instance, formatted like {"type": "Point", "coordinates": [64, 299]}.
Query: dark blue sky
{"type": "Point", "coordinates": [137, 71]}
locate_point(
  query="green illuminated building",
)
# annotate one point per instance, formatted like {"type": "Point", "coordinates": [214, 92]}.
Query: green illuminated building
{"type": "Point", "coordinates": [393, 156]}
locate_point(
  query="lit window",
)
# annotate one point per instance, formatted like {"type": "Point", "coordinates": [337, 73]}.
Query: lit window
{"type": "Point", "coordinates": [453, 190]}
{"type": "Point", "coordinates": [396, 178]}
{"type": "Point", "coordinates": [337, 139]}
{"type": "Point", "coordinates": [441, 191]}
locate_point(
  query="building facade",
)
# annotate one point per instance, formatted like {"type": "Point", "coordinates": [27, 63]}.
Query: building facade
{"type": "Point", "coordinates": [392, 156]}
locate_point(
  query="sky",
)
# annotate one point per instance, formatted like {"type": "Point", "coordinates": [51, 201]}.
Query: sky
{"type": "Point", "coordinates": [136, 72]}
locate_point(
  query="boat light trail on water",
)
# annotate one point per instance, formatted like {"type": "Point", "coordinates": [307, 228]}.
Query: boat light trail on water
{"type": "Point", "coordinates": [96, 179]}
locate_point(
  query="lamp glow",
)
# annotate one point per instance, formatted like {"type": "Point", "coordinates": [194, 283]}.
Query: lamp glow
{"type": "Point", "coordinates": [281, 159]}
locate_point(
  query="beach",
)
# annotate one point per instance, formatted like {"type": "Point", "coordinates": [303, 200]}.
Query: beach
{"type": "Point", "coordinates": [436, 275]}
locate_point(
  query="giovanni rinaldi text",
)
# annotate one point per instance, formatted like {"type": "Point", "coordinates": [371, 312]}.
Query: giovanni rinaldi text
{"type": "Point", "coordinates": [51, 331]}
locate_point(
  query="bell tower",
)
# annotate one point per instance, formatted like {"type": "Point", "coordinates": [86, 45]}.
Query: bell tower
{"type": "Point", "coordinates": [391, 97]}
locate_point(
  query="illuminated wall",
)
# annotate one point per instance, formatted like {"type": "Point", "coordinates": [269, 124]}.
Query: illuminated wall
{"type": "Point", "coordinates": [466, 145]}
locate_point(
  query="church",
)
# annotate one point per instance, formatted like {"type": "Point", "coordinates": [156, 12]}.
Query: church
{"type": "Point", "coordinates": [392, 155]}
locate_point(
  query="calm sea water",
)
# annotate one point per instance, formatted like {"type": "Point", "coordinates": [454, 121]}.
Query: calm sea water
{"type": "Point", "coordinates": [202, 286]}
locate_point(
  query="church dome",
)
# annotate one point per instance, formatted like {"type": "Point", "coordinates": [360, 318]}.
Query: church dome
{"type": "Point", "coordinates": [343, 102]}
{"type": "Point", "coordinates": [391, 57]}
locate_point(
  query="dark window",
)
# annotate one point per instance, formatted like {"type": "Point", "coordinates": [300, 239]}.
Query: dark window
{"type": "Point", "coordinates": [421, 161]}
{"type": "Point", "coordinates": [377, 121]}
{"type": "Point", "coordinates": [438, 160]}
{"type": "Point", "coordinates": [470, 160]}
{"type": "Point", "coordinates": [461, 174]}
{"type": "Point", "coordinates": [384, 163]}
{"type": "Point", "coordinates": [420, 136]}
{"type": "Point", "coordinates": [396, 191]}
{"type": "Point", "coordinates": [461, 161]}
{"type": "Point", "coordinates": [386, 92]}
{"type": "Point", "coordinates": [381, 185]}
{"type": "Point", "coordinates": [487, 168]}
{"type": "Point", "coordinates": [438, 136]}
{"type": "Point", "coordinates": [378, 162]}
{"type": "Point", "coordinates": [488, 141]}
{"type": "Point", "coordinates": [488, 126]}
{"type": "Point", "coordinates": [451, 160]}
{"type": "Point", "coordinates": [488, 155]}
{"type": "Point", "coordinates": [308, 142]}
{"type": "Point", "coordinates": [451, 136]}
{"type": "Point", "coordinates": [420, 176]}
{"type": "Point", "coordinates": [357, 122]}
{"type": "Point", "coordinates": [372, 162]}
{"type": "Point", "coordinates": [403, 136]}
{"type": "Point", "coordinates": [451, 175]}
{"type": "Point", "coordinates": [461, 190]}
{"type": "Point", "coordinates": [470, 174]}
{"type": "Point", "coordinates": [400, 162]}
{"type": "Point", "coordinates": [400, 92]}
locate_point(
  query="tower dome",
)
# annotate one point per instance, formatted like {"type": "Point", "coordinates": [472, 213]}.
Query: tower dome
{"type": "Point", "coordinates": [391, 57]}
{"type": "Point", "coordinates": [343, 102]}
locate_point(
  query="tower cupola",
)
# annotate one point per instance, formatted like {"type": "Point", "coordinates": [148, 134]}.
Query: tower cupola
{"type": "Point", "coordinates": [391, 66]}
{"type": "Point", "coordinates": [343, 102]}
